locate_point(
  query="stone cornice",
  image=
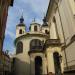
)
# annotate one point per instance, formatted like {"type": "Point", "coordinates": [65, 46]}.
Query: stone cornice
{"type": "Point", "coordinates": [35, 51]}
{"type": "Point", "coordinates": [52, 43]}
{"type": "Point", "coordinates": [31, 34]}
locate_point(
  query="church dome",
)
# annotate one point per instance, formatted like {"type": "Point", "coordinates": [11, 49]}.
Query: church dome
{"type": "Point", "coordinates": [21, 21]}
{"type": "Point", "coordinates": [34, 27]}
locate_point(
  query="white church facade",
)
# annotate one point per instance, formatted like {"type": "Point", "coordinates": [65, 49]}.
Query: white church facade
{"type": "Point", "coordinates": [37, 53]}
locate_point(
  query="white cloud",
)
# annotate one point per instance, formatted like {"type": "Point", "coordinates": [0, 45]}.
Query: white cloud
{"type": "Point", "coordinates": [37, 6]}
{"type": "Point", "coordinates": [39, 21]}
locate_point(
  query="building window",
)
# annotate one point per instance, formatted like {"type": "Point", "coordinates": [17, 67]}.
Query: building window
{"type": "Point", "coordinates": [20, 31]}
{"type": "Point", "coordinates": [35, 28]}
{"type": "Point", "coordinates": [36, 44]}
{"type": "Point", "coordinates": [46, 31]}
{"type": "Point", "coordinates": [19, 48]}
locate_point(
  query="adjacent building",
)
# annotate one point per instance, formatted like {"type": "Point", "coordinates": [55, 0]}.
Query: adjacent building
{"type": "Point", "coordinates": [4, 5]}
{"type": "Point", "coordinates": [61, 14]}
{"type": "Point", "coordinates": [5, 64]}
{"type": "Point", "coordinates": [4, 59]}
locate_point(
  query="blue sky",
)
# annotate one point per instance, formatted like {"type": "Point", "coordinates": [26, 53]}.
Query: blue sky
{"type": "Point", "coordinates": [31, 9]}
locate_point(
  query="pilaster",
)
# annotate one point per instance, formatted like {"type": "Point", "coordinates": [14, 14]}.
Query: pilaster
{"type": "Point", "coordinates": [50, 62]}
{"type": "Point", "coordinates": [44, 66]}
{"type": "Point", "coordinates": [32, 66]}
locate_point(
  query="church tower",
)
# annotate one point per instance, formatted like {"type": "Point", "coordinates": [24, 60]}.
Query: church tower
{"type": "Point", "coordinates": [20, 28]}
{"type": "Point", "coordinates": [45, 27]}
{"type": "Point", "coordinates": [34, 27]}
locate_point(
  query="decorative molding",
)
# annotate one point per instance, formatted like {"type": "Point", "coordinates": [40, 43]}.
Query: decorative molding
{"type": "Point", "coordinates": [52, 43]}
{"type": "Point", "coordinates": [35, 51]}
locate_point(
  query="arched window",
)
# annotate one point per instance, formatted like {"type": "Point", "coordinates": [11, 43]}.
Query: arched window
{"type": "Point", "coordinates": [19, 48]}
{"type": "Point", "coordinates": [20, 31]}
{"type": "Point", "coordinates": [57, 63]}
{"type": "Point", "coordinates": [35, 44]}
{"type": "Point", "coordinates": [35, 28]}
{"type": "Point", "coordinates": [38, 65]}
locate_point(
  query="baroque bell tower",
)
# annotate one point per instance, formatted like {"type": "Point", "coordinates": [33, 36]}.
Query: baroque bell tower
{"type": "Point", "coordinates": [20, 28]}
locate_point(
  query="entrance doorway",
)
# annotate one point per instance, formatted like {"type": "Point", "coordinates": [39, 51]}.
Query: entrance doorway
{"type": "Point", "coordinates": [57, 63]}
{"type": "Point", "coordinates": [38, 65]}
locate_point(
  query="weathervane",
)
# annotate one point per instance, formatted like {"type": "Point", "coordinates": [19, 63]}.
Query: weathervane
{"type": "Point", "coordinates": [33, 20]}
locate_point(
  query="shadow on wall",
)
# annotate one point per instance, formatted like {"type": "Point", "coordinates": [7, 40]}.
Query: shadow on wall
{"type": "Point", "coordinates": [20, 67]}
{"type": "Point", "coordinates": [69, 73]}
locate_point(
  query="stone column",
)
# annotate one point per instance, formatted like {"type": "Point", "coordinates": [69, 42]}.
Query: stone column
{"type": "Point", "coordinates": [50, 62]}
{"type": "Point", "coordinates": [32, 66]}
{"type": "Point", "coordinates": [44, 66]}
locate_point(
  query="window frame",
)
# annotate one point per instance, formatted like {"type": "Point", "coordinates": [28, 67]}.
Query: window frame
{"type": "Point", "coordinates": [35, 28]}
{"type": "Point", "coordinates": [20, 31]}
{"type": "Point", "coordinates": [37, 44]}
{"type": "Point", "coordinates": [19, 47]}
